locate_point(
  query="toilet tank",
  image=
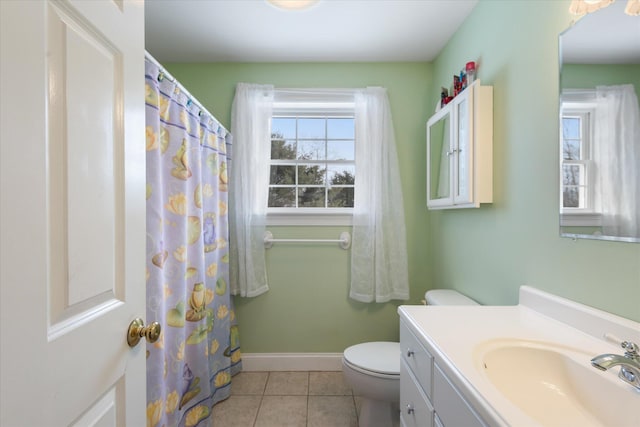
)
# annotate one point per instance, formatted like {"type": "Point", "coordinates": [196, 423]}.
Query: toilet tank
{"type": "Point", "coordinates": [447, 297]}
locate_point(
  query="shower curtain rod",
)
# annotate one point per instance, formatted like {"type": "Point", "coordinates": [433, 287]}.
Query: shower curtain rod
{"type": "Point", "coordinates": [193, 99]}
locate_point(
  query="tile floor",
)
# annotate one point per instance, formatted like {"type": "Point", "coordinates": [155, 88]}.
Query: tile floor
{"type": "Point", "coordinates": [287, 399]}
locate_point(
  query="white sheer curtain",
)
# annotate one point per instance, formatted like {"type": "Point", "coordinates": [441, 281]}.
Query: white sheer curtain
{"type": "Point", "coordinates": [617, 158]}
{"type": "Point", "coordinates": [379, 252]}
{"type": "Point", "coordinates": [251, 128]}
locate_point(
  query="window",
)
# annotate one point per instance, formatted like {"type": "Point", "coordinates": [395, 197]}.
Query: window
{"type": "Point", "coordinates": [312, 166]}
{"type": "Point", "coordinates": [577, 192]}
{"type": "Point", "coordinates": [576, 165]}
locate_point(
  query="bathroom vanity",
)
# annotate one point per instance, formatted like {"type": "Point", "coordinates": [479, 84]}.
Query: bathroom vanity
{"type": "Point", "coordinates": [421, 381]}
{"type": "Point", "coordinates": [524, 365]}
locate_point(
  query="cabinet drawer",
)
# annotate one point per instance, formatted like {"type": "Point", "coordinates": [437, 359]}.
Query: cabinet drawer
{"type": "Point", "coordinates": [417, 358]}
{"type": "Point", "coordinates": [452, 409]}
{"type": "Point", "coordinates": [415, 409]}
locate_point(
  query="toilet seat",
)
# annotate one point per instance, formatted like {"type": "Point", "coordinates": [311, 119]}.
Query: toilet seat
{"type": "Point", "coordinates": [380, 358]}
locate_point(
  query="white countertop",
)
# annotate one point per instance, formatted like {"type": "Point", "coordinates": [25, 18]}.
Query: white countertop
{"type": "Point", "coordinates": [454, 335]}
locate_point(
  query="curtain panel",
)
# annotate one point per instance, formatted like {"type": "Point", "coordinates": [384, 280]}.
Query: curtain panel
{"type": "Point", "coordinates": [251, 126]}
{"type": "Point", "coordinates": [379, 270]}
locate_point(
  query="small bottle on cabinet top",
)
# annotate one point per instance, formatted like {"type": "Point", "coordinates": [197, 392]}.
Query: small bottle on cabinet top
{"type": "Point", "coordinates": [471, 72]}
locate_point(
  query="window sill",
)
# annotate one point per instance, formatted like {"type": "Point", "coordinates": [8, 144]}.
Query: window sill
{"type": "Point", "coordinates": [309, 219]}
{"type": "Point", "coordinates": [583, 219]}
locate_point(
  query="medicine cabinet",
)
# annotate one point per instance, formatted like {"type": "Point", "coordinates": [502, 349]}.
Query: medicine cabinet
{"type": "Point", "coordinates": [460, 151]}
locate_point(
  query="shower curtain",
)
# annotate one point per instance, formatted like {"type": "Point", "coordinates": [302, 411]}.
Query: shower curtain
{"type": "Point", "coordinates": [189, 368]}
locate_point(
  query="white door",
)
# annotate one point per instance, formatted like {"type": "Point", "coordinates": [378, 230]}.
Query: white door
{"type": "Point", "coordinates": [72, 212]}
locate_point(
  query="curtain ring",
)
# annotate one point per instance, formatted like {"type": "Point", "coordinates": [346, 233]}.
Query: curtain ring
{"type": "Point", "coordinates": [160, 76]}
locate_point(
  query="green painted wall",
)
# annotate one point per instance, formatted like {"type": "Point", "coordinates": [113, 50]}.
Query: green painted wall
{"type": "Point", "coordinates": [588, 76]}
{"type": "Point", "coordinates": [307, 308]}
{"type": "Point", "coordinates": [486, 253]}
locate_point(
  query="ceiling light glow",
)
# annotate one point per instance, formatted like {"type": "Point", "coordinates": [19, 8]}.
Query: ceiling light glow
{"type": "Point", "coordinates": [292, 4]}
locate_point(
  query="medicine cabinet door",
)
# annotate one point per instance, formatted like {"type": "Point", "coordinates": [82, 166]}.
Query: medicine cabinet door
{"type": "Point", "coordinates": [439, 159]}
{"type": "Point", "coordinates": [463, 148]}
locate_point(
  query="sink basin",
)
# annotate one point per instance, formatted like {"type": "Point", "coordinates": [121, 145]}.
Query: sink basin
{"type": "Point", "coordinates": [556, 385]}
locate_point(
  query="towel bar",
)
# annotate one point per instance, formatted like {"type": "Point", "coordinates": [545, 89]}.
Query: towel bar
{"type": "Point", "coordinates": [344, 241]}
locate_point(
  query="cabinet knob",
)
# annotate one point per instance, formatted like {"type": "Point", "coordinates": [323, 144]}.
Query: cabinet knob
{"type": "Point", "coordinates": [410, 352]}
{"type": "Point", "coordinates": [410, 409]}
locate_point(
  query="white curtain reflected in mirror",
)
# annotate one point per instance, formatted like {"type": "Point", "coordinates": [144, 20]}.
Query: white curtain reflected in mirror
{"type": "Point", "coordinates": [617, 156]}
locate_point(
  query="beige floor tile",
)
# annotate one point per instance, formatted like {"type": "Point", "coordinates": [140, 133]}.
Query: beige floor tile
{"type": "Point", "coordinates": [331, 411]}
{"type": "Point", "coordinates": [287, 384]}
{"type": "Point", "coordinates": [328, 384]}
{"type": "Point", "coordinates": [287, 399]}
{"type": "Point", "coordinates": [282, 411]}
{"type": "Point", "coordinates": [249, 383]}
{"type": "Point", "coordinates": [236, 411]}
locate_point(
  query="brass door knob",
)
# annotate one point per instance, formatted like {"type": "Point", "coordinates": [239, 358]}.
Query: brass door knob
{"type": "Point", "coordinates": [137, 330]}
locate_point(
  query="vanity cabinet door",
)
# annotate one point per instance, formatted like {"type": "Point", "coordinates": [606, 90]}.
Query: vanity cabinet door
{"type": "Point", "coordinates": [415, 408]}
{"type": "Point", "coordinates": [417, 358]}
{"type": "Point", "coordinates": [451, 407]}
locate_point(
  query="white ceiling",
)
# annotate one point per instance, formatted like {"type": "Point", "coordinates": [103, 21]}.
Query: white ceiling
{"type": "Point", "coordinates": [330, 31]}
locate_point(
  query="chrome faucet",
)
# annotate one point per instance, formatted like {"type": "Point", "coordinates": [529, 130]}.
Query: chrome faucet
{"type": "Point", "coordinates": [629, 363]}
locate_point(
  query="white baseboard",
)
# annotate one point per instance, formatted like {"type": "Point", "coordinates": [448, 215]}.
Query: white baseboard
{"type": "Point", "coordinates": [291, 361]}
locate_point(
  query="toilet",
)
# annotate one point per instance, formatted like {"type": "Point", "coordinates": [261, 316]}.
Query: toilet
{"type": "Point", "coordinates": [372, 369]}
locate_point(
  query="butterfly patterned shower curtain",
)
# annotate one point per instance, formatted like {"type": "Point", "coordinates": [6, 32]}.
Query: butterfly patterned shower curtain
{"type": "Point", "coordinates": [189, 368]}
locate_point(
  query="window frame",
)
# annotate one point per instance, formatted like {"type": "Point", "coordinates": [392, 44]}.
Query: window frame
{"type": "Point", "coordinates": [311, 106]}
{"type": "Point", "coordinates": [580, 104]}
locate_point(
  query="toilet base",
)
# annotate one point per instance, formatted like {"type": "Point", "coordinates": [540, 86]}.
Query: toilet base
{"type": "Point", "coordinates": [377, 413]}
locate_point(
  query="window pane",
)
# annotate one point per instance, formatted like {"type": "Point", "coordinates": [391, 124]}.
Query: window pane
{"type": "Point", "coordinates": [311, 197]}
{"type": "Point", "coordinates": [311, 175]}
{"type": "Point", "coordinates": [311, 128]}
{"type": "Point", "coordinates": [340, 129]}
{"type": "Point", "coordinates": [570, 149]}
{"type": "Point", "coordinates": [572, 175]}
{"type": "Point", "coordinates": [282, 197]}
{"type": "Point", "coordinates": [341, 150]}
{"type": "Point", "coordinates": [571, 127]}
{"type": "Point", "coordinates": [311, 150]}
{"type": "Point", "coordinates": [570, 198]}
{"type": "Point", "coordinates": [573, 190]}
{"type": "Point", "coordinates": [341, 174]}
{"type": "Point", "coordinates": [340, 197]}
{"type": "Point", "coordinates": [283, 150]}
{"type": "Point", "coordinates": [282, 175]}
{"type": "Point", "coordinates": [283, 127]}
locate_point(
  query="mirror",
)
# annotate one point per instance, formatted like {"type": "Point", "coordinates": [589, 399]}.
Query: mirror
{"type": "Point", "coordinates": [438, 157]}
{"type": "Point", "coordinates": [600, 126]}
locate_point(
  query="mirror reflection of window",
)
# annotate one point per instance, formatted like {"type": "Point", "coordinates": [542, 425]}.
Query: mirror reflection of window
{"type": "Point", "coordinates": [599, 147]}
{"type": "Point", "coordinates": [577, 166]}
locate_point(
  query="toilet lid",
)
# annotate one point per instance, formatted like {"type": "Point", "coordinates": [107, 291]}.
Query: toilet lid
{"type": "Point", "coordinates": [381, 357]}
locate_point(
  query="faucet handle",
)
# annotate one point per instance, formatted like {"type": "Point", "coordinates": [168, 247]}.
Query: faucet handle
{"type": "Point", "coordinates": [631, 349]}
